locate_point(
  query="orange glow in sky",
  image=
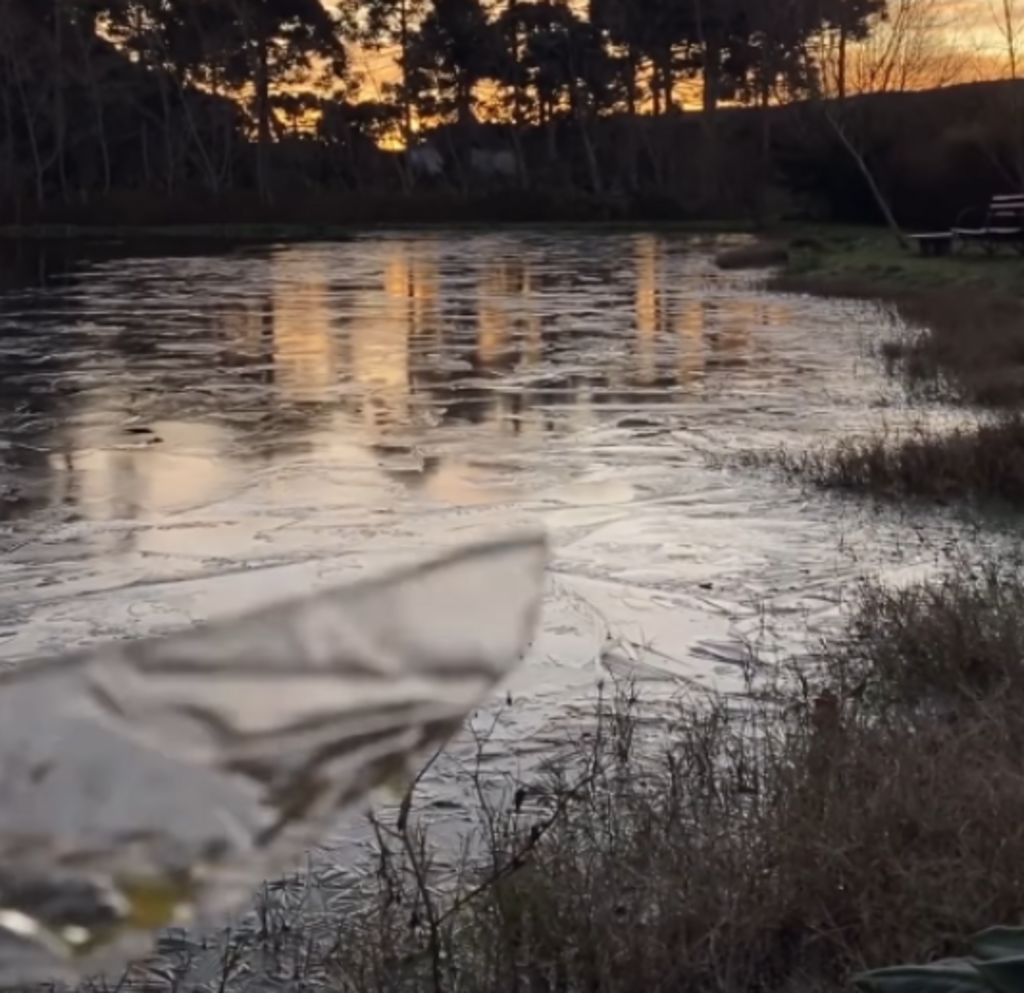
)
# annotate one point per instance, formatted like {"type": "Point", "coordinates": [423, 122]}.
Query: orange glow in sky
{"type": "Point", "coordinates": [941, 42]}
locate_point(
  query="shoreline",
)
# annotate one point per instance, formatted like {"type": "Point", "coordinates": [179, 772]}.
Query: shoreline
{"type": "Point", "coordinates": [957, 336]}
{"type": "Point", "coordinates": [341, 232]}
{"type": "Point", "coordinates": [861, 263]}
{"type": "Point", "coordinates": [323, 215]}
{"type": "Point", "coordinates": [825, 259]}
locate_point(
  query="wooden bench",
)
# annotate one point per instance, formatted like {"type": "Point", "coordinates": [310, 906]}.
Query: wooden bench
{"type": "Point", "coordinates": [933, 242]}
{"type": "Point", "coordinates": [1000, 223]}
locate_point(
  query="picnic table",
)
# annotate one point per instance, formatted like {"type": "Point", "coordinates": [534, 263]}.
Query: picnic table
{"type": "Point", "coordinates": [934, 242]}
{"type": "Point", "coordinates": [997, 224]}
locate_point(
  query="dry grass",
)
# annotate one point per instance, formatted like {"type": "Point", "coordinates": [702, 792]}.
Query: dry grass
{"type": "Point", "coordinates": [960, 319]}
{"type": "Point", "coordinates": [980, 464]}
{"type": "Point", "coordinates": [954, 644]}
{"type": "Point", "coordinates": [971, 344]}
{"type": "Point", "coordinates": [837, 819]}
{"type": "Point", "coordinates": [959, 345]}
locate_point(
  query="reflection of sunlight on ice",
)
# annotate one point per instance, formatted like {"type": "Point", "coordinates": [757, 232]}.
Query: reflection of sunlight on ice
{"type": "Point", "coordinates": [127, 476]}
{"type": "Point", "coordinates": [464, 486]}
{"type": "Point", "coordinates": [379, 348]}
{"type": "Point", "coordinates": [648, 307]}
{"type": "Point", "coordinates": [304, 347]}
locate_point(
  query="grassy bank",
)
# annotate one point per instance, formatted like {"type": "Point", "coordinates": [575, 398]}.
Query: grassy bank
{"type": "Point", "coordinates": [863, 814]}
{"type": "Point", "coordinates": [870, 262]}
{"type": "Point", "coordinates": [967, 346]}
{"type": "Point", "coordinates": [981, 464]}
{"type": "Point", "coordinates": [957, 335]}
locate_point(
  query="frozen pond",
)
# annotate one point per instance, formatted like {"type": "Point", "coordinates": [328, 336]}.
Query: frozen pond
{"type": "Point", "coordinates": [183, 436]}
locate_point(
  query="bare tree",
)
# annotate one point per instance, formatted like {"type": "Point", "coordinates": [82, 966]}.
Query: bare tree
{"type": "Point", "coordinates": [1008, 16]}
{"type": "Point", "coordinates": [96, 99]}
{"type": "Point", "coordinates": [908, 45]}
{"type": "Point", "coordinates": [17, 56]}
{"type": "Point", "coordinates": [1009, 23]}
{"type": "Point", "coordinates": [917, 45]}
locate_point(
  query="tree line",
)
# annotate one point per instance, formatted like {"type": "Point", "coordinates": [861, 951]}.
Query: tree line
{"type": "Point", "coordinates": [179, 96]}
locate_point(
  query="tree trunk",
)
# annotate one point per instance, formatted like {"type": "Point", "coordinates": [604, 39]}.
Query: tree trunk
{"type": "Point", "coordinates": [146, 168]}
{"type": "Point", "coordinates": [633, 71]}
{"type": "Point", "coordinates": [11, 187]}
{"type": "Point", "coordinates": [712, 73]}
{"type": "Point", "coordinates": [59, 115]}
{"type": "Point", "coordinates": [581, 111]}
{"type": "Point", "coordinates": [33, 141]}
{"type": "Point", "coordinates": [865, 171]}
{"type": "Point", "coordinates": [97, 104]}
{"type": "Point", "coordinates": [665, 79]}
{"type": "Point", "coordinates": [464, 102]}
{"type": "Point", "coordinates": [170, 145]}
{"type": "Point", "coordinates": [403, 40]}
{"type": "Point", "coordinates": [712, 90]}
{"type": "Point", "coordinates": [517, 86]}
{"type": "Point", "coordinates": [841, 68]}
{"type": "Point", "coordinates": [263, 135]}
{"type": "Point", "coordinates": [765, 170]}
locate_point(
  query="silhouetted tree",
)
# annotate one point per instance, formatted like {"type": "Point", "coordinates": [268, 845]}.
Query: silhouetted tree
{"type": "Point", "coordinates": [167, 97]}
{"type": "Point", "coordinates": [454, 49]}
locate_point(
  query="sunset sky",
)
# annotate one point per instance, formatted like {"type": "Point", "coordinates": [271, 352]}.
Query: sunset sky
{"type": "Point", "coordinates": [969, 30]}
{"type": "Point", "coordinates": [981, 22]}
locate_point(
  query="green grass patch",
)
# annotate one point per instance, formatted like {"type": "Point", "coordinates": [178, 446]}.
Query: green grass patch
{"type": "Point", "coordinates": [959, 320]}
{"type": "Point", "coordinates": [870, 263]}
